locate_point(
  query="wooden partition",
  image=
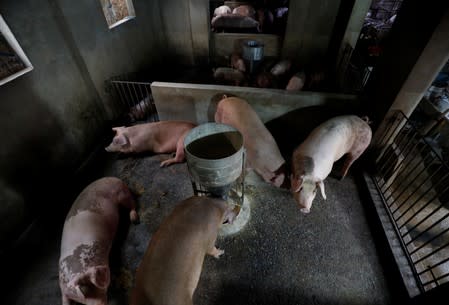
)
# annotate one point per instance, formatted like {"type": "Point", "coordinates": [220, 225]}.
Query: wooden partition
{"type": "Point", "coordinates": [191, 102]}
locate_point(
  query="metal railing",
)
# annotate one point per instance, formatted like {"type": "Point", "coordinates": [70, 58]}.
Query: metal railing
{"type": "Point", "coordinates": [413, 181]}
{"type": "Point", "coordinates": [133, 100]}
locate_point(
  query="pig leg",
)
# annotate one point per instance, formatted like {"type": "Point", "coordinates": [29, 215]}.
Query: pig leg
{"type": "Point", "coordinates": [102, 301]}
{"type": "Point", "coordinates": [66, 300]}
{"type": "Point", "coordinates": [179, 155]}
{"type": "Point", "coordinates": [138, 297]}
{"type": "Point", "coordinates": [348, 162]}
{"type": "Point", "coordinates": [215, 252]}
{"type": "Point", "coordinates": [129, 204]}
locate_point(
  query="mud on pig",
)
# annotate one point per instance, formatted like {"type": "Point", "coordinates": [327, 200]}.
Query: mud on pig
{"type": "Point", "coordinates": [171, 267]}
{"type": "Point", "coordinates": [157, 137]}
{"type": "Point", "coordinates": [312, 161]}
{"type": "Point", "coordinates": [87, 236]}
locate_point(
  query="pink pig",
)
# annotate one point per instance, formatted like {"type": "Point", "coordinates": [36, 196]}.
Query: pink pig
{"type": "Point", "coordinates": [171, 267]}
{"type": "Point", "coordinates": [312, 161]}
{"type": "Point", "coordinates": [89, 230]}
{"type": "Point", "coordinates": [262, 151]}
{"type": "Point", "coordinates": [157, 137]}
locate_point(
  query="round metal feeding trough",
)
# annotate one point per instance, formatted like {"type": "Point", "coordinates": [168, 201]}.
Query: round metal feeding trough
{"type": "Point", "coordinates": [215, 159]}
{"type": "Point", "coordinates": [252, 53]}
{"type": "Point", "coordinates": [214, 155]}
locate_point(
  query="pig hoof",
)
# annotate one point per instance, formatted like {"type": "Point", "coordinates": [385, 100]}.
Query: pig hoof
{"type": "Point", "coordinates": [305, 211]}
{"type": "Point", "coordinates": [216, 252]}
{"type": "Point", "coordinates": [134, 217]}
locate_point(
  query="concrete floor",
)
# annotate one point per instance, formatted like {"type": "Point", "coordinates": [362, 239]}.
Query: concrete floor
{"type": "Point", "coordinates": [280, 257]}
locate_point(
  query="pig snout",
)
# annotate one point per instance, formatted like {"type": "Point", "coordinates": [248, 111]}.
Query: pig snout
{"type": "Point", "coordinates": [304, 192]}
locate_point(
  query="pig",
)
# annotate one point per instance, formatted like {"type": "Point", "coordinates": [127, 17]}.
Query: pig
{"type": "Point", "coordinates": [229, 75]}
{"type": "Point", "coordinates": [140, 110]}
{"type": "Point", "coordinates": [238, 63]}
{"type": "Point", "coordinates": [157, 137]}
{"type": "Point", "coordinates": [281, 67]}
{"type": "Point", "coordinates": [313, 159]}
{"type": "Point", "coordinates": [171, 266]}
{"type": "Point", "coordinates": [244, 10]}
{"type": "Point", "coordinates": [265, 79]}
{"type": "Point", "coordinates": [296, 82]}
{"type": "Point", "coordinates": [262, 152]}
{"type": "Point", "coordinates": [222, 10]}
{"type": "Point", "coordinates": [87, 236]}
{"type": "Point", "coordinates": [234, 21]}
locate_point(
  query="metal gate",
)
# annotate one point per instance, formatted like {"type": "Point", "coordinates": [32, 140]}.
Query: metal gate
{"type": "Point", "coordinates": [413, 182]}
{"type": "Point", "coordinates": [133, 100]}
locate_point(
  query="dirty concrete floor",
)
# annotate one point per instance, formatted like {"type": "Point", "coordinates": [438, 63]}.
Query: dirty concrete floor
{"type": "Point", "coordinates": [280, 257]}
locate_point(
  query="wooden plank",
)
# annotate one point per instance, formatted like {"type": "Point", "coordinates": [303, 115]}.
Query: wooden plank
{"type": "Point", "coordinates": [223, 44]}
{"type": "Point", "coordinates": [191, 102]}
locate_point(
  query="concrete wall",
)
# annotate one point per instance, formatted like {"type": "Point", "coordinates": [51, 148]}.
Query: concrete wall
{"type": "Point", "coordinates": [52, 117]}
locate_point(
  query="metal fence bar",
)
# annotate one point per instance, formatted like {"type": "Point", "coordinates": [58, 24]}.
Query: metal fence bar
{"type": "Point", "coordinates": [389, 131]}
{"type": "Point", "coordinates": [420, 210]}
{"type": "Point", "coordinates": [403, 182]}
{"type": "Point", "coordinates": [416, 158]}
{"type": "Point", "coordinates": [429, 241]}
{"type": "Point", "coordinates": [412, 180]}
{"type": "Point", "coordinates": [403, 138]}
{"type": "Point", "coordinates": [136, 98]}
{"type": "Point", "coordinates": [422, 221]}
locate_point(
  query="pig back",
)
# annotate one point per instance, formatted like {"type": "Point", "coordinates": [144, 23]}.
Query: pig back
{"type": "Point", "coordinates": [94, 215]}
{"type": "Point", "coordinates": [262, 150]}
{"type": "Point", "coordinates": [329, 141]}
{"type": "Point", "coordinates": [172, 264]}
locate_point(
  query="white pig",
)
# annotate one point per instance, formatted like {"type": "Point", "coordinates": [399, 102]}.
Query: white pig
{"type": "Point", "coordinates": [171, 267]}
{"type": "Point", "coordinates": [281, 67]}
{"type": "Point", "coordinates": [222, 10]}
{"type": "Point", "coordinates": [89, 230]}
{"type": "Point", "coordinates": [157, 137]}
{"type": "Point", "coordinates": [262, 152]}
{"type": "Point", "coordinates": [312, 161]}
{"type": "Point", "coordinates": [296, 82]}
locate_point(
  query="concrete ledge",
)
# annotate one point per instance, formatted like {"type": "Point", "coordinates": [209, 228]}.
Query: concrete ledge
{"type": "Point", "coordinates": [395, 245]}
{"type": "Point", "coordinates": [190, 102]}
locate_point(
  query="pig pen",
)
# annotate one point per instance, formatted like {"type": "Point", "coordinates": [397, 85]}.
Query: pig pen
{"type": "Point", "coordinates": [280, 256]}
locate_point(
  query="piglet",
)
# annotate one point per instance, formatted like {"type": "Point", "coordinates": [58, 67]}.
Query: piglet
{"type": "Point", "coordinates": [296, 82]}
{"type": "Point", "coordinates": [171, 267]}
{"type": "Point", "coordinates": [140, 110]}
{"type": "Point", "coordinates": [263, 154]}
{"type": "Point", "coordinates": [157, 137]}
{"type": "Point", "coordinates": [89, 230]}
{"type": "Point", "coordinates": [237, 62]}
{"type": "Point", "coordinates": [281, 67]}
{"type": "Point", "coordinates": [229, 75]}
{"type": "Point", "coordinates": [312, 161]}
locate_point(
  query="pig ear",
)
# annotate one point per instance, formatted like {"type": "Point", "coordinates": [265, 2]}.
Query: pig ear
{"type": "Point", "coordinates": [296, 183]}
{"type": "Point", "coordinates": [121, 140]}
{"type": "Point", "coordinates": [117, 129]}
{"type": "Point", "coordinates": [100, 277]}
{"type": "Point", "coordinates": [320, 184]}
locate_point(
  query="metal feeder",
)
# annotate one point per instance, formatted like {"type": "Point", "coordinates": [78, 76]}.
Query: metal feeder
{"type": "Point", "coordinates": [215, 159]}
{"type": "Point", "coordinates": [252, 54]}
